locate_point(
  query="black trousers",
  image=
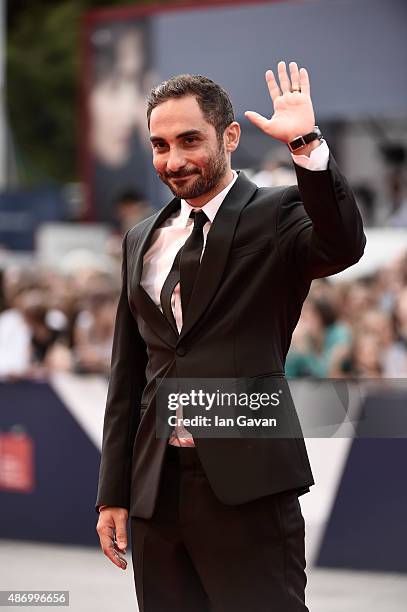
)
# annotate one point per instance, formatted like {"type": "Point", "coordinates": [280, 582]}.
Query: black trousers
{"type": "Point", "coordinates": [198, 555]}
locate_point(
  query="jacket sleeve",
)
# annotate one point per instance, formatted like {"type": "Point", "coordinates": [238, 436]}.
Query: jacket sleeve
{"type": "Point", "coordinates": [319, 227]}
{"type": "Point", "coordinates": [122, 414]}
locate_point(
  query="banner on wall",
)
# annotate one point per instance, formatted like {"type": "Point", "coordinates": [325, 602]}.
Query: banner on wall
{"type": "Point", "coordinates": [117, 152]}
{"type": "Point", "coordinates": [127, 50]}
{"type": "Point", "coordinates": [17, 462]}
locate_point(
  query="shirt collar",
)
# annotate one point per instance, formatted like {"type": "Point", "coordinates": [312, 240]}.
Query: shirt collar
{"type": "Point", "coordinates": [210, 208]}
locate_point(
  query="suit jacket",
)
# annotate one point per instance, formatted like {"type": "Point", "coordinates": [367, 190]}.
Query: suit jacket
{"type": "Point", "coordinates": [263, 250]}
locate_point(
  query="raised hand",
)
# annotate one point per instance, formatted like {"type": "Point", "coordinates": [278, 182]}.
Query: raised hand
{"type": "Point", "coordinates": [293, 112]}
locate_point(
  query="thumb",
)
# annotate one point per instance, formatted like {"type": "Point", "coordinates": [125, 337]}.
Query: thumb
{"type": "Point", "coordinates": [257, 119]}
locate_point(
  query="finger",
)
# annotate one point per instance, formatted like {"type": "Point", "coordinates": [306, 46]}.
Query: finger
{"type": "Point", "coordinates": [283, 77]}
{"type": "Point", "coordinates": [257, 119]}
{"type": "Point", "coordinates": [295, 76]}
{"type": "Point", "coordinates": [113, 555]}
{"type": "Point", "coordinates": [107, 545]}
{"type": "Point", "coordinates": [304, 81]}
{"type": "Point", "coordinates": [122, 551]}
{"type": "Point", "coordinates": [119, 554]}
{"type": "Point", "coordinates": [272, 84]}
{"type": "Point", "coordinates": [121, 533]}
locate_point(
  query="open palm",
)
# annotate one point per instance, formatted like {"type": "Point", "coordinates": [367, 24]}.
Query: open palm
{"type": "Point", "coordinates": [293, 112]}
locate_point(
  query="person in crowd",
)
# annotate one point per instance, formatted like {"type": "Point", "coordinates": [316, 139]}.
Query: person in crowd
{"type": "Point", "coordinates": [131, 208]}
{"type": "Point", "coordinates": [94, 327]}
{"type": "Point", "coordinates": [400, 314]}
{"type": "Point", "coordinates": [393, 352]}
{"type": "Point", "coordinates": [15, 336]}
{"type": "Point", "coordinates": [388, 282]}
{"type": "Point", "coordinates": [315, 341]}
{"type": "Point", "coordinates": [357, 297]}
{"type": "Point", "coordinates": [362, 359]}
{"type": "Point", "coordinates": [43, 336]}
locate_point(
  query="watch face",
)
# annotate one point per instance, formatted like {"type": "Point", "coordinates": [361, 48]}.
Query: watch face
{"type": "Point", "coordinates": [296, 143]}
{"type": "Point", "coordinates": [301, 141]}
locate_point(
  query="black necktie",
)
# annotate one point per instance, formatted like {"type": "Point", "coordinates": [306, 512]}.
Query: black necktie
{"type": "Point", "coordinates": [185, 268]}
{"type": "Point", "coordinates": [190, 259]}
{"type": "Point", "coordinates": [168, 287]}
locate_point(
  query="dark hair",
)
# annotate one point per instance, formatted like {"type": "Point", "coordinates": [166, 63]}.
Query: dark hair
{"type": "Point", "coordinates": [325, 311]}
{"type": "Point", "coordinates": [129, 196]}
{"type": "Point", "coordinates": [213, 100]}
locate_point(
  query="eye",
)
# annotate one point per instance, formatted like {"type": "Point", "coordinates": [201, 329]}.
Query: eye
{"type": "Point", "coordinates": [159, 146]}
{"type": "Point", "coordinates": [191, 140]}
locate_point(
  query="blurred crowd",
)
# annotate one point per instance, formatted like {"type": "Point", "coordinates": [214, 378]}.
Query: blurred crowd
{"type": "Point", "coordinates": [63, 318]}
{"type": "Point", "coordinates": [53, 321]}
{"type": "Point", "coordinates": [355, 329]}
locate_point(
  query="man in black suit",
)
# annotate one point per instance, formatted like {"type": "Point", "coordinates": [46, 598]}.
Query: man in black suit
{"type": "Point", "coordinates": [213, 286]}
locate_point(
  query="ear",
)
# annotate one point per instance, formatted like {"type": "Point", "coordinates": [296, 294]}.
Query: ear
{"type": "Point", "coordinates": [232, 136]}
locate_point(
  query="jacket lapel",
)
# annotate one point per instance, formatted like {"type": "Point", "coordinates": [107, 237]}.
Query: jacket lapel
{"type": "Point", "coordinates": [219, 241]}
{"type": "Point", "coordinates": [144, 304]}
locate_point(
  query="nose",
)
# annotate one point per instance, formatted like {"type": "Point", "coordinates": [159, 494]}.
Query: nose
{"type": "Point", "coordinates": [175, 161]}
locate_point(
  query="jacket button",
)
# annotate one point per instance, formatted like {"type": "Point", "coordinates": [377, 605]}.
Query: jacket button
{"type": "Point", "coordinates": [180, 351]}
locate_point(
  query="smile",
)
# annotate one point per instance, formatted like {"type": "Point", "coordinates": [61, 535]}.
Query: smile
{"type": "Point", "coordinates": [182, 178]}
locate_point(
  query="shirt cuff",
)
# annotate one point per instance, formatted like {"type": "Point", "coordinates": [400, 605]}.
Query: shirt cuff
{"type": "Point", "coordinates": [318, 159]}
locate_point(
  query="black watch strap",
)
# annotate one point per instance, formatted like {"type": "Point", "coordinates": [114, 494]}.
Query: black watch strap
{"type": "Point", "coordinates": [301, 141]}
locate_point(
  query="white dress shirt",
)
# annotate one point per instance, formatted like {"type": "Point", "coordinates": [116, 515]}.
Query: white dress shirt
{"type": "Point", "coordinates": [173, 233]}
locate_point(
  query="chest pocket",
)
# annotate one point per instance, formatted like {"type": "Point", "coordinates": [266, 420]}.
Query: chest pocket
{"type": "Point", "coordinates": [262, 244]}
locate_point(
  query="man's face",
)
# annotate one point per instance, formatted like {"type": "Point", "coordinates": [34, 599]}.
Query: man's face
{"type": "Point", "coordinates": [186, 152]}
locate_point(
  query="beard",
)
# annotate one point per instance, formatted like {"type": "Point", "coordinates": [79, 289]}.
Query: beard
{"type": "Point", "coordinates": [205, 180]}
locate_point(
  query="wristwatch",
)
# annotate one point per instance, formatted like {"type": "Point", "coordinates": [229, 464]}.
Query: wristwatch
{"type": "Point", "coordinates": [301, 141]}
